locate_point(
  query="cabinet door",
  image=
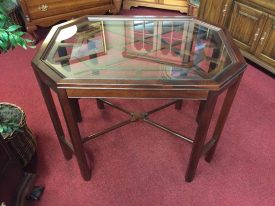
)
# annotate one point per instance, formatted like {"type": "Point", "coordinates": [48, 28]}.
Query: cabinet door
{"type": "Point", "coordinates": [266, 45]}
{"type": "Point", "coordinates": [246, 26]}
{"type": "Point", "coordinates": [215, 12]}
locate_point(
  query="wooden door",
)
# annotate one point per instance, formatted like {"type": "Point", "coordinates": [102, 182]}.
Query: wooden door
{"type": "Point", "coordinates": [266, 46]}
{"type": "Point", "coordinates": [215, 12]}
{"type": "Point", "coordinates": [246, 26]}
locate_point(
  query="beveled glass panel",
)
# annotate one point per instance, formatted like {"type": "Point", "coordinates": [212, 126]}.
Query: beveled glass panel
{"type": "Point", "coordinates": [139, 50]}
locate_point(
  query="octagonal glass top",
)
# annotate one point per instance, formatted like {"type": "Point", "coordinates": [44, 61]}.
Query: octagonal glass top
{"type": "Point", "coordinates": [138, 49]}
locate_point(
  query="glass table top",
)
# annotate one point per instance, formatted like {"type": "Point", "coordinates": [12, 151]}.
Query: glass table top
{"type": "Point", "coordinates": [138, 49]}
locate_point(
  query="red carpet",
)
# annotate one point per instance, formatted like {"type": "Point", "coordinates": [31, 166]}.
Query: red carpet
{"type": "Point", "coordinates": [141, 165]}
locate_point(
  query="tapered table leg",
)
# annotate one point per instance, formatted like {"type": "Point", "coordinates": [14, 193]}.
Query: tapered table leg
{"type": "Point", "coordinates": [231, 93]}
{"type": "Point", "coordinates": [178, 105]}
{"type": "Point", "coordinates": [76, 109]}
{"type": "Point", "coordinates": [45, 90]}
{"type": "Point", "coordinates": [100, 104]}
{"type": "Point", "coordinates": [203, 124]}
{"type": "Point", "coordinates": [74, 134]}
{"type": "Point", "coordinates": [200, 110]}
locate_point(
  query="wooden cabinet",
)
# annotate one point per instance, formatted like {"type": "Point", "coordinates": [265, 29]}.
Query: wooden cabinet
{"type": "Point", "coordinates": [251, 24]}
{"type": "Point", "coordinates": [179, 5]}
{"type": "Point", "coordinates": [246, 25]}
{"type": "Point", "coordinates": [48, 12]}
{"type": "Point", "coordinates": [266, 45]}
{"type": "Point", "coordinates": [252, 27]}
{"type": "Point", "coordinates": [215, 12]}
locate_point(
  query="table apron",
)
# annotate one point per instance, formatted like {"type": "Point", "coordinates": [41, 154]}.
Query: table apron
{"type": "Point", "coordinates": [138, 94]}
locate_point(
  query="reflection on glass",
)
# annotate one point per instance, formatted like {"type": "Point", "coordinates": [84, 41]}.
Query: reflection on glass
{"type": "Point", "coordinates": [143, 35]}
{"type": "Point", "coordinates": [66, 33]}
{"type": "Point", "coordinates": [138, 34]}
{"type": "Point", "coordinates": [140, 50]}
{"type": "Point", "coordinates": [148, 35]}
{"type": "Point", "coordinates": [74, 44]}
{"type": "Point", "coordinates": [166, 37]}
{"type": "Point", "coordinates": [172, 37]}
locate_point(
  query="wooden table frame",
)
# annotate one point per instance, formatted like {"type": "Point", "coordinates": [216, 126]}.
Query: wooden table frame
{"type": "Point", "coordinates": [207, 92]}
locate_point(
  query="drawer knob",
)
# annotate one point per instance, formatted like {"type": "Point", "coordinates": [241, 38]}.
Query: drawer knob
{"type": "Point", "coordinates": [43, 7]}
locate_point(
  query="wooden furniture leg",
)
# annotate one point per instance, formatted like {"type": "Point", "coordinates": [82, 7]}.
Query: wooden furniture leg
{"type": "Point", "coordinates": [200, 110]}
{"type": "Point", "coordinates": [100, 104]}
{"type": "Point", "coordinates": [45, 90]}
{"type": "Point", "coordinates": [203, 124]}
{"type": "Point", "coordinates": [178, 105]}
{"type": "Point", "coordinates": [230, 95]}
{"type": "Point", "coordinates": [31, 30]}
{"type": "Point", "coordinates": [117, 6]}
{"type": "Point", "coordinates": [76, 109]}
{"type": "Point", "coordinates": [74, 134]}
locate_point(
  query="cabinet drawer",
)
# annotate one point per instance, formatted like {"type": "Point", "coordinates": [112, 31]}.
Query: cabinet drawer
{"type": "Point", "coordinates": [38, 9]}
{"type": "Point", "coordinates": [175, 2]}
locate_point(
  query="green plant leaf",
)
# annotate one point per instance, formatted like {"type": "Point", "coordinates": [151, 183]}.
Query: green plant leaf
{"type": "Point", "coordinates": [3, 17]}
{"type": "Point", "coordinates": [8, 46]}
{"type": "Point", "coordinates": [2, 10]}
{"type": "Point", "coordinates": [2, 23]}
{"type": "Point", "coordinates": [21, 42]}
{"type": "Point", "coordinates": [13, 28]}
{"type": "Point", "coordinates": [29, 40]}
{"type": "Point", "coordinates": [10, 35]}
{"type": "Point", "coordinates": [4, 128]}
{"type": "Point", "coordinates": [4, 36]}
{"type": "Point", "coordinates": [12, 40]}
{"type": "Point", "coordinates": [19, 33]}
{"type": "Point", "coordinates": [3, 46]}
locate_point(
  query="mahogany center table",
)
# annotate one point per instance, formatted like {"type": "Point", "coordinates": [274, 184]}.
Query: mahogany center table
{"type": "Point", "coordinates": [105, 57]}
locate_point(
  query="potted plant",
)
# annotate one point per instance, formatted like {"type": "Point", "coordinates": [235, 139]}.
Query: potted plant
{"type": "Point", "coordinates": [15, 132]}
{"type": "Point", "coordinates": [13, 127]}
{"type": "Point", "coordinates": [11, 35]}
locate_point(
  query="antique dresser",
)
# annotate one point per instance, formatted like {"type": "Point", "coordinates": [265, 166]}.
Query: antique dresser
{"type": "Point", "coordinates": [48, 12]}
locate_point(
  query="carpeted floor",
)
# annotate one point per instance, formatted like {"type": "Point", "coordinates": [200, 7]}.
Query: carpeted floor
{"type": "Point", "coordinates": [141, 165]}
